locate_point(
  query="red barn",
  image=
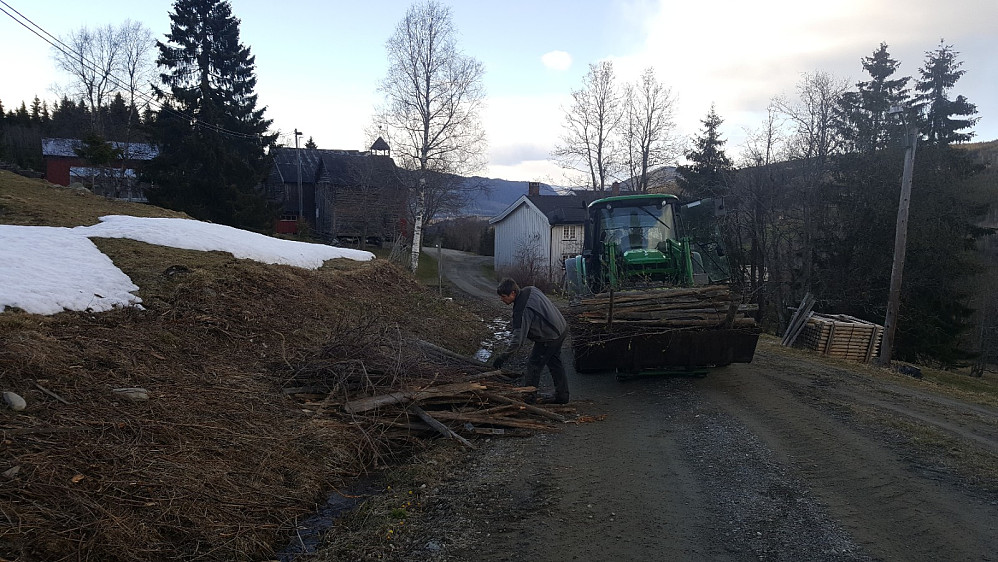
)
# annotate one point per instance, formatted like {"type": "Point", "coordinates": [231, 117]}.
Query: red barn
{"type": "Point", "coordinates": [63, 167]}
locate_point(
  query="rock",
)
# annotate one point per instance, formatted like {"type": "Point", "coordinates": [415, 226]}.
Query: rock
{"type": "Point", "coordinates": [133, 394]}
{"type": "Point", "coordinates": [175, 270]}
{"type": "Point", "coordinates": [14, 401]}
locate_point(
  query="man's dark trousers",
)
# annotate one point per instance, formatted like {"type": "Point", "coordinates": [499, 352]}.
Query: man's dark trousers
{"type": "Point", "coordinates": [548, 353]}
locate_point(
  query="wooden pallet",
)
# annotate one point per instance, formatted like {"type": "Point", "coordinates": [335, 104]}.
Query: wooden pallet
{"type": "Point", "coordinates": [842, 336]}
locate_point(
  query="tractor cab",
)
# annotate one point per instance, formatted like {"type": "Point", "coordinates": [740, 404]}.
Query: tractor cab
{"type": "Point", "coordinates": [646, 240]}
{"type": "Point", "coordinates": [634, 239]}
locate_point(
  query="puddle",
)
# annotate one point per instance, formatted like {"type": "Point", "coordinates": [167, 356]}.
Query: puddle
{"type": "Point", "coordinates": [499, 327]}
{"type": "Point", "coordinates": [309, 533]}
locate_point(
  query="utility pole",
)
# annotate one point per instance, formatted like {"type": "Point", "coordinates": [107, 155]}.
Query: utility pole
{"type": "Point", "coordinates": [900, 244]}
{"type": "Point", "coordinates": [301, 203]}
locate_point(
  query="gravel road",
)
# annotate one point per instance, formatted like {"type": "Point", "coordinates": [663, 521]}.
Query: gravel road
{"type": "Point", "coordinates": [790, 457]}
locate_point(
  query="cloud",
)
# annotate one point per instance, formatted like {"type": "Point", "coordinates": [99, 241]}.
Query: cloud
{"type": "Point", "coordinates": [513, 154]}
{"type": "Point", "coordinates": [760, 50]}
{"type": "Point", "coordinates": [557, 60]}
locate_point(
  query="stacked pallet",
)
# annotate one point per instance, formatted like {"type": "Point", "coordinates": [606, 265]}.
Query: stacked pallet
{"type": "Point", "coordinates": [705, 307]}
{"type": "Point", "coordinates": [842, 336]}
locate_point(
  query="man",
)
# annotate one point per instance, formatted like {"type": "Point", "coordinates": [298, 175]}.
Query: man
{"type": "Point", "coordinates": [537, 319]}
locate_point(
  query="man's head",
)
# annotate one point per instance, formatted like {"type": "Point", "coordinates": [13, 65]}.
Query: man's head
{"type": "Point", "coordinates": [507, 290]}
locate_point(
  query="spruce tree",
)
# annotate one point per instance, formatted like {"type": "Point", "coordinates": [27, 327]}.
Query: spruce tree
{"type": "Point", "coordinates": [864, 113]}
{"type": "Point", "coordinates": [36, 110]}
{"type": "Point", "coordinates": [943, 119]}
{"type": "Point", "coordinates": [212, 138]}
{"type": "Point", "coordinates": [711, 169]}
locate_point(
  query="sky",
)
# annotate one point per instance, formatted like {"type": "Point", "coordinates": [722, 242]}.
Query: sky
{"type": "Point", "coordinates": [68, 272]}
{"type": "Point", "coordinates": [319, 63]}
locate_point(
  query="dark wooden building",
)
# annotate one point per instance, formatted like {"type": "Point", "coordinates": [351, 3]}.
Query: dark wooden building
{"type": "Point", "coordinates": [345, 195]}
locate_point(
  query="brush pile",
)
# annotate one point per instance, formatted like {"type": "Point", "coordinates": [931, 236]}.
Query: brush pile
{"type": "Point", "coordinates": [441, 394]}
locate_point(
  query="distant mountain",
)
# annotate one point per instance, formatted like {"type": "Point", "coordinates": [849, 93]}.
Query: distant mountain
{"type": "Point", "coordinates": [491, 196]}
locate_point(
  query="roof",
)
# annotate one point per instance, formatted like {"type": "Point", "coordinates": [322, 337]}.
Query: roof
{"type": "Point", "coordinates": [326, 164]}
{"type": "Point", "coordinates": [561, 209]}
{"type": "Point", "coordinates": [66, 148]}
{"type": "Point", "coordinates": [356, 168]}
{"type": "Point", "coordinates": [636, 198]}
{"type": "Point", "coordinates": [558, 209]}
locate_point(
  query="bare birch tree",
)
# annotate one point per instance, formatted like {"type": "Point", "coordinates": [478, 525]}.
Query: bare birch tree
{"type": "Point", "coordinates": [591, 124]}
{"type": "Point", "coordinates": [106, 61]}
{"type": "Point", "coordinates": [812, 115]}
{"type": "Point", "coordinates": [136, 66]}
{"type": "Point", "coordinates": [91, 59]}
{"type": "Point", "coordinates": [649, 128]}
{"type": "Point", "coordinates": [814, 137]}
{"type": "Point", "coordinates": [433, 96]}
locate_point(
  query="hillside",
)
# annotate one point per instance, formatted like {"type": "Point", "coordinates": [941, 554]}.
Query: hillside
{"type": "Point", "coordinates": [221, 459]}
{"type": "Point", "coordinates": [491, 196]}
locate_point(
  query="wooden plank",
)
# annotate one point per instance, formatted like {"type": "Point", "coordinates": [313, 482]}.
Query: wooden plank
{"type": "Point", "coordinates": [493, 420]}
{"type": "Point", "coordinates": [398, 397]}
{"type": "Point", "coordinates": [831, 338]}
{"type": "Point", "coordinates": [533, 409]}
{"type": "Point", "coordinates": [798, 320]}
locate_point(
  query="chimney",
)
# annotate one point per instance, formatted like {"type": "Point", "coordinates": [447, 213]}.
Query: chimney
{"type": "Point", "coordinates": [533, 188]}
{"type": "Point", "coordinates": [615, 189]}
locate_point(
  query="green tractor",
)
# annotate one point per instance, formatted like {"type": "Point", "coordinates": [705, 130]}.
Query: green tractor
{"type": "Point", "coordinates": [650, 291]}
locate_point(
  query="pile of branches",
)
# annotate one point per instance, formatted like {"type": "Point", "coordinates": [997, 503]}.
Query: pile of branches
{"type": "Point", "coordinates": [417, 391]}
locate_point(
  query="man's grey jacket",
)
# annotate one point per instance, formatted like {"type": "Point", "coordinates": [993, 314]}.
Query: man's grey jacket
{"type": "Point", "coordinates": [535, 318]}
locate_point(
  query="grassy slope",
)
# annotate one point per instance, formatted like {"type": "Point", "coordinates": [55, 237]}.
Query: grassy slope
{"type": "Point", "coordinates": [219, 462]}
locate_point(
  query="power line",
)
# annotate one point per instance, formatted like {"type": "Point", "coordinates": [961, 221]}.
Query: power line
{"type": "Point", "coordinates": [57, 44]}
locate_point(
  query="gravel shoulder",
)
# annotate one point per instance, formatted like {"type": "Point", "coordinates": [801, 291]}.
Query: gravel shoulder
{"type": "Point", "coordinates": [791, 457]}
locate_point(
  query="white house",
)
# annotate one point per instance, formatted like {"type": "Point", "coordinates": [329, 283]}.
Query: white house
{"type": "Point", "coordinates": [537, 232]}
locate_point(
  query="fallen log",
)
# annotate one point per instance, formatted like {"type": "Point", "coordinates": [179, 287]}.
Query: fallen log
{"type": "Point", "coordinates": [437, 425]}
{"type": "Point", "coordinates": [452, 354]}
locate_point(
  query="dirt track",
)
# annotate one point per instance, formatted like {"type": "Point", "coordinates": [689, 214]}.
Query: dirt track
{"type": "Point", "coordinates": [790, 457]}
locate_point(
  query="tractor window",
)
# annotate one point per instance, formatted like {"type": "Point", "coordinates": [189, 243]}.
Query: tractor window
{"type": "Point", "coordinates": [636, 227]}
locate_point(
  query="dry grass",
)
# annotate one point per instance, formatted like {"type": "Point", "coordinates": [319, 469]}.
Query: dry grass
{"type": "Point", "coordinates": [219, 462]}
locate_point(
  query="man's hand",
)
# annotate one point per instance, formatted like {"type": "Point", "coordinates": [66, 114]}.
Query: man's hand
{"type": "Point", "coordinates": [500, 359]}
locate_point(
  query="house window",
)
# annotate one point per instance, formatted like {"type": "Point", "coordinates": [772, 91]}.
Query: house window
{"type": "Point", "coordinates": [568, 232]}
